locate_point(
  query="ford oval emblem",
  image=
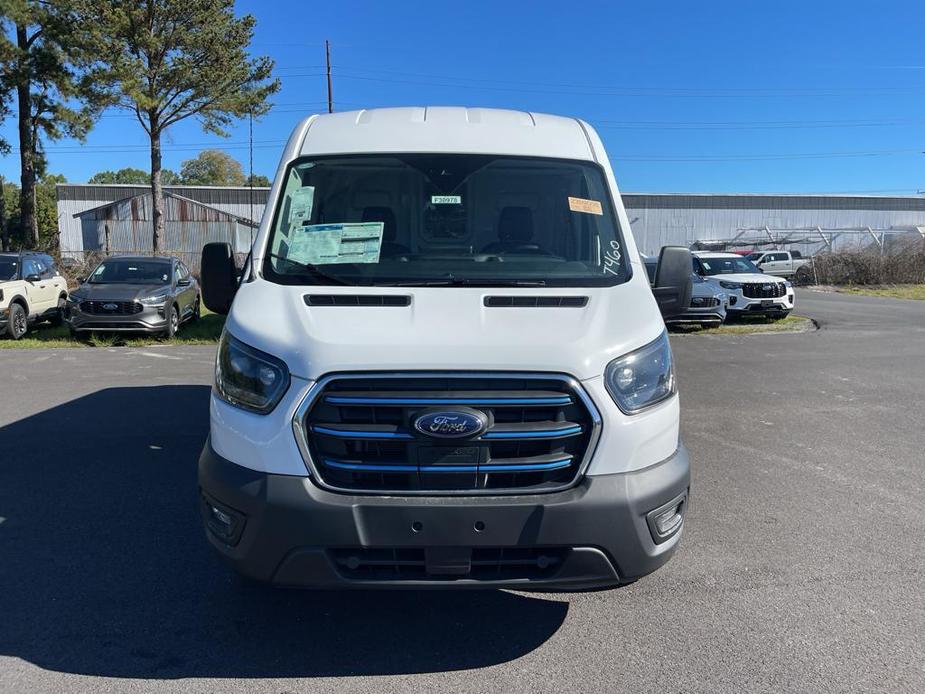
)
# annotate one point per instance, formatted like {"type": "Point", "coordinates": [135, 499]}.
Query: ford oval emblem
{"type": "Point", "coordinates": [110, 307]}
{"type": "Point", "coordinates": [451, 424]}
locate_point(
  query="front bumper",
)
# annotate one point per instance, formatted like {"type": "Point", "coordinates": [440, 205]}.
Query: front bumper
{"type": "Point", "coordinates": [288, 531]}
{"type": "Point", "coordinates": [740, 305]}
{"type": "Point", "coordinates": [151, 319]}
{"type": "Point", "coordinates": [712, 314]}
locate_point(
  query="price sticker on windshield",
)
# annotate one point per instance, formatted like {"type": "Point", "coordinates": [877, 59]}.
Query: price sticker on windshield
{"type": "Point", "coordinates": [585, 205]}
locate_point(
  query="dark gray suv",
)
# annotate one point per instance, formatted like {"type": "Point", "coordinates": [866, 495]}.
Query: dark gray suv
{"type": "Point", "coordinates": [135, 294]}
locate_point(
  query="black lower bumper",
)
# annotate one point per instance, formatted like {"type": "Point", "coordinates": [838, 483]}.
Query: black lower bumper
{"type": "Point", "coordinates": [758, 309]}
{"type": "Point", "coordinates": [290, 532]}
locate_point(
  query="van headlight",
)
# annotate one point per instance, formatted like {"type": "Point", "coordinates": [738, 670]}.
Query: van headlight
{"type": "Point", "coordinates": [248, 378]}
{"type": "Point", "coordinates": [642, 378]}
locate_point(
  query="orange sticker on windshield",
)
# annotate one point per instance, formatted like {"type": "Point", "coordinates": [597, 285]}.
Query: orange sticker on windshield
{"type": "Point", "coordinates": [586, 206]}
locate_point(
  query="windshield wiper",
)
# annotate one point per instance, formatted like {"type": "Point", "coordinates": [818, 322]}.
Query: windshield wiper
{"type": "Point", "coordinates": [313, 270]}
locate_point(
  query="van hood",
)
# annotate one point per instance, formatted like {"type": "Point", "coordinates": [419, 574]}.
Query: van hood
{"type": "Point", "coordinates": [445, 328]}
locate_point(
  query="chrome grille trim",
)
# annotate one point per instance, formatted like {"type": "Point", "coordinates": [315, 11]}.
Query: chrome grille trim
{"type": "Point", "coordinates": [318, 388]}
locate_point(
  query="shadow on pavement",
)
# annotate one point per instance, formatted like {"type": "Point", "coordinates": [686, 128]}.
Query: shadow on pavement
{"type": "Point", "coordinates": [104, 569]}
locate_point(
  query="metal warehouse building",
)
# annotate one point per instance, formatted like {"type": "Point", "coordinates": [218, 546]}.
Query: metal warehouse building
{"type": "Point", "coordinates": [90, 214]}
{"type": "Point", "coordinates": [807, 222]}
{"type": "Point", "coordinates": [117, 218]}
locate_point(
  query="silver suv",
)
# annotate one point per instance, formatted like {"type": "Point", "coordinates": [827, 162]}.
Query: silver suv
{"type": "Point", "coordinates": [135, 294]}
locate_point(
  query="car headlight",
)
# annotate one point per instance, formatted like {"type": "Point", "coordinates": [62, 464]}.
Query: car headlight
{"type": "Point", "coordinates": [788, 284]}
{"type": "Point", "coordinates": [642, 378]}
{"type": "Point", "coordinates": [730, 285]}
{"type": "Point", "coordinates": [156, 300]}
{"type": "Point", "coordinates": [74, 299]}
{"type": "Point", "coordinates": [248, 378]}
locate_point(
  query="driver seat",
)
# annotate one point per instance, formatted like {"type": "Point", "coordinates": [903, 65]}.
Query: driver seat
{"type": "Point", "coordinates": [385, 215]}
{"type": "Point", "coordinates": [515, 232]}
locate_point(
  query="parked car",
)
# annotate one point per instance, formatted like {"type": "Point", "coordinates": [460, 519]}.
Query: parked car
{"type": "Point", "coordinates": [779, 263]}
{"type": "Point", "coordinates": [749, 290]}
{"type": "Point", "coordinates": [135, 294]}
{"type": "Point", "coordinates": [708, 300]}
{"type": "Point", "coordinates": [432, 375]}
{"type": "Point", "coordinates": [31, 290]}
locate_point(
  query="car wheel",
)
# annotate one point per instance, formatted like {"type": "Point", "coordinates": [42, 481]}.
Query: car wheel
{"type": "Point", "coordinates": [173, 322]}
{"type": "Point", "coordinates": [19, 322]}
{"type": "Point", "coordinates": [57, 319]}
{"type": "Point", "coordinates": [197, 311]}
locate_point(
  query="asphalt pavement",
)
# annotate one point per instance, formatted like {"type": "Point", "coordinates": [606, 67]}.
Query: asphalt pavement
{"type": "Point", "coordinates": [802, 568]}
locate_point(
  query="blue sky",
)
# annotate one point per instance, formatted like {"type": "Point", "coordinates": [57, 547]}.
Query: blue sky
{"type": "Point", "coordinates": [702, 97]}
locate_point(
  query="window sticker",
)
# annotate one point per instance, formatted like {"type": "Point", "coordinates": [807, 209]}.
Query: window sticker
{"type": "Point", "coordinates": [300, 205]}
{"type": "Point", "coordinates": [446, 199]}
{"type": "Point", "coordinates": [321, 244]}
{"type": "Point", "coordinates": [584, 205]}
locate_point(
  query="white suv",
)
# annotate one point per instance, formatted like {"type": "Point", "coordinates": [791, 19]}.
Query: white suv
{"type": "Point", "coordinates": [749, 290]}
{"type": "Point", "coordinates": [31, 290]}
{"type": "Point", "coordinates": [444, 365]}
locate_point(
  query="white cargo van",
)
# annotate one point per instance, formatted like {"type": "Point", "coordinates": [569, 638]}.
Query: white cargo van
{"type": "Point", "coordinates": [443, 365]}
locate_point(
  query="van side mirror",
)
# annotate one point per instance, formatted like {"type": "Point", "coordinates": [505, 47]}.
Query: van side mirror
{"type": "Point", "coordinates": [81, 279]}
{"type": "Point", "coordinates": [673, 283]}
{"type": "Point", "coordinates": [218, 277]}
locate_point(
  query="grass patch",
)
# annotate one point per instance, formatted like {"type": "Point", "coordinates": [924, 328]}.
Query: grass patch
{"type": "Point", "coordinates": [205, 331]}
{"type": "Point", "coordinates": [892, 291]}
{"type": "Point", "coordinates": [751, 326]}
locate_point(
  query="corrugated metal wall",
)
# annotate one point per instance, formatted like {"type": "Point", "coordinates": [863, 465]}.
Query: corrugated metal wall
{"type": "Point", "coordinates": [658, 219]}
{"type": "Point", "coordinates": [674, 219]}
{"type": "Point", "coordinates": [125, 227]}
{"type": "Point", "coordinates": [76, 198]}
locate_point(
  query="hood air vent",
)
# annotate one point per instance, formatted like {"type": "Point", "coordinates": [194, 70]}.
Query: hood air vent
{"type": "Point", "coordinates": [357, 300]}
{"type": "Point", "coordinates": [536, 301]}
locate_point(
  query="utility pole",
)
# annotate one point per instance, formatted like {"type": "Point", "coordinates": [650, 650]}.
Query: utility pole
{"type": "Point", "coordinates": [327, 61]}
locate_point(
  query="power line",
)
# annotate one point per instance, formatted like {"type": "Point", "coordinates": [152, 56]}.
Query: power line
{"type": "Point", "coordinates": [606, 90]}
{"type": "Point", "coordinates": [364, 71]}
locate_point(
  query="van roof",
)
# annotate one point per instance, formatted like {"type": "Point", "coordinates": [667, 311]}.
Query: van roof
{"type": "Point", "coordinates": [449, 129]}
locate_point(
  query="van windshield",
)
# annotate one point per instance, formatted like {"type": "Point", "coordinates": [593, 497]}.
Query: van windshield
{"type": "Point", "coordinates": [445, 219]}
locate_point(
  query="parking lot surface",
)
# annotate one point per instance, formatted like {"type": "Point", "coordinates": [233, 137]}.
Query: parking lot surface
{"type": "Point", "coordinates": [802, 568]}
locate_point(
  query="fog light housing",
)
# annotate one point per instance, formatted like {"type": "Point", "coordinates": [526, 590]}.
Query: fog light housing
{"type": "Point", "coordinates": [732, 300]}
{"type": "Point", "coordinates": [665, 521]}
{"type": "Point", "coordinates": [224, 523]}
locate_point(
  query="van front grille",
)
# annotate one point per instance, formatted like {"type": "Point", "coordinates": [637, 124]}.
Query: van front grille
{"type": "Point", "coordinates": [359, 433]}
